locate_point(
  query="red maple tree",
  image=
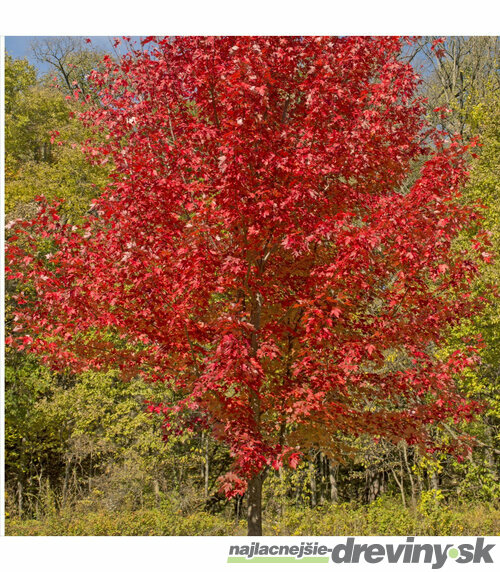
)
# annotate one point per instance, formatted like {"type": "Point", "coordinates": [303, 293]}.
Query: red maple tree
{"type": "Point", "coordinates": [261, 248]}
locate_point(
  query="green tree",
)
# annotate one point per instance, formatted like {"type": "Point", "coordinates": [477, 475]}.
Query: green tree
{"type": "Point", "coordinates": [479, 476]}
{"type": "Point", "coordinates": [458, 72]}
{"type": "Point", "coordinates": [19, 77]}
{"type": "Point", "coordinates": [484, 186]}
{"type": "Point", "coordinates": [35, 165]}
{"type": "Point", "coordinates": [71, 60]}
{"type": "Point", "coordinates": [43, 142]}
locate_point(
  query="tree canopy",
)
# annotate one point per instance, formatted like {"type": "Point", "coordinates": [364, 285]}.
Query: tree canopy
{"type": "Point", "coordinates": [260, 247]}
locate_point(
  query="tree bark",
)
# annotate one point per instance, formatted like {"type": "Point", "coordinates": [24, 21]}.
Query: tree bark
{"type": "Point", "coordinates": [435, 481]}
{"type": "Point", "coordinates": [323, 469]}
{"type": "Point", "coordinates": [254, 495]}
{"type": "Point", "coordinates": [254, 492]}
{"type": "Point", "coordinates": [401, 486]}
{"type": "Point", "coordinates": [66, 482]}
{"type": "Point", "coordinates": [412, 482]}
{"type": "Point", "coordinates": [156, 488]}
{"type": "Point", "coordinates": [334, 493]}
{"type": "Point", "coordinates": [207, 466]}
{"type": "Point", "coordinates": [20, 498]}
{"type": "Point", "coordinates": [373, 485]}
{"type": "Point", "coordinates": [312, 482]}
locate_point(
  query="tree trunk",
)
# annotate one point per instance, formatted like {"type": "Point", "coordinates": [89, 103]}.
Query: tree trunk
{"type": "Point", "coordinates": [323, 467]}
{"type": "Point", "coordinates": [490, 457]}
{"type": "Point", "coordinates": [372, 487]}
{"type": "Point", "coordinates": [409, 471]}
{"type": "Point", "coordinates": [156, 488]}
{"type": "Point", "coordinates": [20, 498]}
{"type": "Point", "coordinates": [65, 483]}
{"type": "Point", "coordinates": [283, 490]}
{"type": "Point", "coordinates": [312, 482]}
{"type": "Point", "coordinates": [254, 495]}
{"type": "Point", "coordinates": [435, 481]}
{"type": "Point", "coordinates": [237, 508]}
{"type": "Point", "coordinates": [334, 493]}
{"type": "Point", "coordinates": [207, 466]}
{"type": "Point", "coordinates": [401, 486]}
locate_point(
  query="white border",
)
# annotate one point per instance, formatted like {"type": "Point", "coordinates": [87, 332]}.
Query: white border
{"type": "Point", "coordinates": [167, 17]}
{"type": "Point", "coordinates": [179, 554]}
{"type": "Point", "coordinates": [261, 17]}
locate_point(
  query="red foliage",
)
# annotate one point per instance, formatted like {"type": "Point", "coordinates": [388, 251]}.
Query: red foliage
{"type": "Point", "coordinates": [257, 248]}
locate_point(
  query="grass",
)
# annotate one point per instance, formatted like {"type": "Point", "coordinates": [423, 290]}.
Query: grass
{"type": "Point", "coordinates": [385, 516]}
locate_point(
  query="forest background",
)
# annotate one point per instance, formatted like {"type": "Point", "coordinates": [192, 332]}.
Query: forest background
{"type": "Point", "coordinates": [84, 455]}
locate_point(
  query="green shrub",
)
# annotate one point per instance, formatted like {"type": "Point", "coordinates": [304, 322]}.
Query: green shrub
{"type": "Point", "coordinates": [385, 516]}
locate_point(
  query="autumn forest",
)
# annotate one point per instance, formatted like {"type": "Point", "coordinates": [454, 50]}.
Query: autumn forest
{"type": "Point", "coordinates": [251, 286]}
